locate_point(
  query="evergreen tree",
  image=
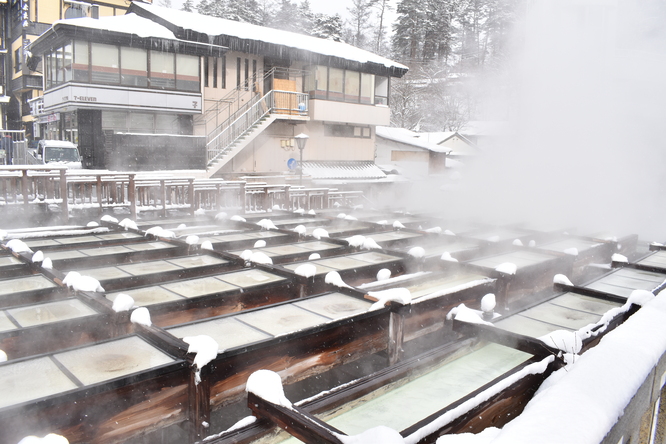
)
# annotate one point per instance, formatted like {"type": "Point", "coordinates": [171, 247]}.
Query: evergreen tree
{"type": "Point", "coordinates": [213, 8]}
{"type": "Point", "coordinates": [380, 45]}
{"type": "Point", "coordinates": [286, 17]}
{"type": "Point", "coordinates": [246, 11]}
{"type": "Point", "coordinates": [188, 6]}
{"type": "Point", "coordinates": [408, 31]}
{"type": "Point", "coordinates": [305, 17]}
{"type": "Point", "coordinates": [327, 27]}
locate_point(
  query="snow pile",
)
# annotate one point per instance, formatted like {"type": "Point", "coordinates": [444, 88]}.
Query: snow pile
{"type": "Point", "coordinates": [383, 274]}
{"type": "Point", "coordinates": [314, 256]}
{"type": "Point", "coordinates": [401, 295]}
{"type": "Point", "coordinates": [619, 258]}
{"type": "Point", "coordinates": [446, 256]}
{"type": "Point", "coordinates": [107, 218]}
{"type": "Point", "coordinates": [356, 241]}
{"type": "Point", "coordinates": [507, 268]}
{"type": "Point", "coordinates": [382, 222]}
{"type": "Point", "coordinates": [18, 246]}
{"type": "Point", "coordinates": [3, 356]}
{"type": "Point", "coordinates": [47, 263]}
{"type": "Point", "coordinates": [333, 278]}
{"type": "Point", "coordinates": [449, 233]}
{"type": "Point", "coordinates": [318, 233]}
{"type": "Point", "coordinates": [627, 359]}
{"type": "Point", "coordinates": [207, 245]}
{"type": "Point", "coordinates": [192, 239]}
{"type": "Point", "coordinates": [484, 437]}
{"type": "Point", "coordinates": [51, 438]}
{"type": "Point", "coordinates": [160, 232]}
{"type": "Point", "coordinates": [3, 234]}
{"type": "Point", "coordinates": [488, 303]}
{"type": "Point", "coordinates": [267, 224]}
{"type": "Point", "coordinates": [349, 217]}
{"type": "Point", "coordinates": [518, 243]}
{"type": "Point", "coordinates": [38, 257]}
{"type": "Point", "coordinates": [562, 280]}
{"type": "Point", "coordinates": [123, 302]}
{"type": "Point", "coordinates": [312, 213]}
{"type": "Point", "coordinates": [260, 258]}
{"type": "Point", "coordinates": [248, 420]}
{"type": "Point", "coordinates": [571, 251]}
{"type": "Point", "coordinates": [493, 239]}
{"type": "Point", "coordinates": [531, 243]}
{"type": "Point", "coordinates": [267, 385]}
{"type": "Point", "coordinates": [260, 243]}
{"type": "Point", "coordinates": [82, 283]}
{"type": "Point", "coordinates": [92, 224]}
{"type": "Point", "coordinates": [370, 244]}
{"type": "Point", "coordinates": [238, 218]}
{"type": "Point", "coordinates": [397, 225]}
{"type": "Point", "coordinates": [300, 229]}
{"type": "Point", "coordinates": [128, 224]}
{"type": "Point", "coordinates": [181, 227]}
{"type": "Point", "coordinates": [246, 255]}
{"type": "Point", "coordinates": [341, 216]}
{"type": "Point", "coordinates": [306, 270]}
{"type": "Point", "coordinates": [141, 316]}
{"type": "Point", "coordinates": [435, 230]}
{"type": "Point", "coordinates": [206, 350]}
{"type": "Point", "coordinates": [222, 215]}
{"type": "Point", "coordinates": [376, 435]}
{"type": "Point", "coordinates": [200, 212]}
{"type": "Point", "coordinates": [465, 314]}
{"type": "Point", "coordinates": [299, 211]}
{"type": "Point", "coordinates": [416, 252]}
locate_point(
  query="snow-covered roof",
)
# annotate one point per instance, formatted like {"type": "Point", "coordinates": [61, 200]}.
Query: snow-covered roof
{"type": "Point", "coordinates": [263, 36]}
{"type": "Point", "coordinates": [343, 170]}
{"type": "Point", "coordinates": [57, 143]}
{"type": "Point", "coordinates": [127, 24]}
{"type": "Point", "coordinates": [408, 137]}
{"type": "Point", "coordinates": [436, 137]}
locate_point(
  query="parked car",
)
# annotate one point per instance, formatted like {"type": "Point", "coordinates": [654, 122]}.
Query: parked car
{"type": "Point", "coordinates": [56, 152]}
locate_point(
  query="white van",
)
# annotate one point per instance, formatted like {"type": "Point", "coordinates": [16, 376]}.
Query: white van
{"type": "Point", "coordinates": [58, 152]}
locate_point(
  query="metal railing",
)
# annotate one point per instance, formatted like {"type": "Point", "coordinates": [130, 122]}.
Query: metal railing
{"type": "Point", "coordinates": [237, 126]}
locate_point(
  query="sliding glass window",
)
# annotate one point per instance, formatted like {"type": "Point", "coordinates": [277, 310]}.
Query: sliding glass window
{"type": "Point", "coordinates": [187, 76]}
{"type": "Point", "coordinates": [105, 66]}
{"type": "Point", "coordinates": [81, 62]}
{"type": "Point", "coordinates": [134, 65]}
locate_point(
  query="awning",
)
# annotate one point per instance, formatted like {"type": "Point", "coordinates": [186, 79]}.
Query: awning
{"type": "Point", "coordinates": [363, 169]}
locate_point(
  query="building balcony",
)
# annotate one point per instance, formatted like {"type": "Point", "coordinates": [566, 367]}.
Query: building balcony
{"type": "Point", "coordinates": [26, 82]}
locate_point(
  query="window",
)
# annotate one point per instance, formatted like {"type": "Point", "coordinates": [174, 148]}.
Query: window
{"type": "Point", "coordinates": [381, 90]}
{"type": "Point", "coordinates": [214, 72]}
{"type": "Point", "coordinates": [187, 76]}
{"type": "Point", "coordinates": [17, 60]}
{"type": "Point", "coordinates": [352, 86]}
{"type": "Point", "coordinates": [80, 65]}
{"type": "Point", "coordinates": [205, 73]}
{"type": "Point", "coordinates": [162, 72]}
{"type": "Point", "coordinates": [323, 82]}
{"type": "Point", "coordinates": [347, 131]}
{"type": "Point", "coordinates": [336, 83]}
{"type": "Point", "coordinates": [104, 64]}
{"type": "Point", "coordinates": [60, 69]}
{"type": "Point", "coordinates": [238, 72]}
{"type": "Point", "coordinates": [254, 74]}
{"type": "Point", "coordinates": [247, 74]}
{"type": "Point", "coordinates": [67, 62]}
{"type": "Point", "coordinates": [223, 72]}
{"type": "Point", "coordinates": [367, 88]}
{"type": "Point", "coordinates": [134, 70]}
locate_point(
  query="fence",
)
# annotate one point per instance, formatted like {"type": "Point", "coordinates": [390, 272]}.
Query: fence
{"type": "Point", "coordinates": [13, 147]}
{"type": "Point", "coordinates": [76, 190]}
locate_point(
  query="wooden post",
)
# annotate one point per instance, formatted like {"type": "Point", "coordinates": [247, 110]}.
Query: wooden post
{"type": "Point", "coordinates": [99, 193]}
{"type": "Point", "coordinates": [266, 198]}
{"type": "Point", "coordinates": [131, 195]}
{"type": "Point", "coordinates": [325, 204]}
{"type": "Point", "coordinates": [242, 197]}
{"type": "Point", "coordinates": [24, 187]}
{"type": "Point", "coordinates": [199, 408]}
{"type": "Point", "coordinates": [396, 338]}
{"type": "Point", "coordinates": [190, 195]}
{"type": "Point", "coordinates": [63, 196]}
{"type": "Point", "coordinates": [287, 197]}
{"type": "Point", "coordinates": [163, 195]}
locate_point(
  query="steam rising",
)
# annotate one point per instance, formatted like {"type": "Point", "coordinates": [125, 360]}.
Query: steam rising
{"type": "Point", "coordinates": [585, 99]}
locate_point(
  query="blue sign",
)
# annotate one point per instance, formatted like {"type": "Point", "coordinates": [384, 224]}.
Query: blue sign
{"type": "Point", "coordinates": [292, 163]}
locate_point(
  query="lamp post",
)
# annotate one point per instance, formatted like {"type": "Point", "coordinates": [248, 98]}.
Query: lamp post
{"type": "Point", "coordinates": [301, 140]}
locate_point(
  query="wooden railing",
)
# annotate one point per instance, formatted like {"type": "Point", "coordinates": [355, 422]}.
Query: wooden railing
{"type": "Point", "coordinates": [79, 190]}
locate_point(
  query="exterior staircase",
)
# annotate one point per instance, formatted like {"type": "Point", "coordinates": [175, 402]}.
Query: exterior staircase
{"type": "Point", "coordinates": [248, 120]}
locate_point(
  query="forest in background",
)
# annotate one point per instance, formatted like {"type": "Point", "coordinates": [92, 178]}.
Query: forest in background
{"type": "Point", "coordinates": [457, 50]}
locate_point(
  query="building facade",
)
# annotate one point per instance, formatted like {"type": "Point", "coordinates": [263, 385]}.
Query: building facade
{"type": "Point", "coordinates": [20, 74]}
{"type": "Point", "coordinates": [244, 91]}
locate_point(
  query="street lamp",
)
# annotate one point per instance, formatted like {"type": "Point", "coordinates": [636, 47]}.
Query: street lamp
{"type": "Point", "coordinates": [301, 140]}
